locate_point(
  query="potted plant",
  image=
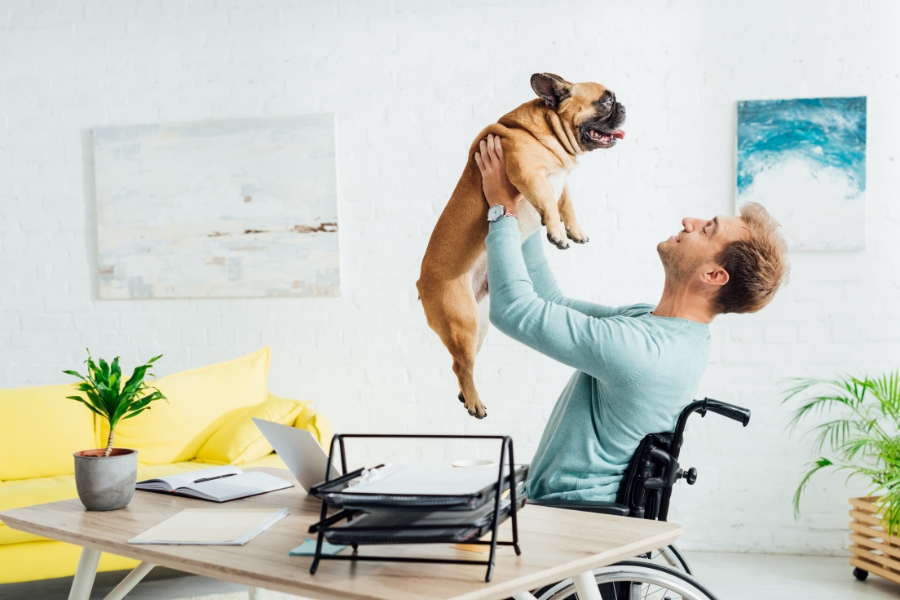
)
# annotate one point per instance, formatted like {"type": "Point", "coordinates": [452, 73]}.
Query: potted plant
{"type": "Point", "coordinates": [105, 477]}
{"type": "Point", "coordinates": [863, 439]}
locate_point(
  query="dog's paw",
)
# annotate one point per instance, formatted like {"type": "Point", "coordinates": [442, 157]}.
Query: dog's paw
{"type": "Point", "coordinates": [476, 409]}
{"type": "Point", "coordinates": [577, 235]}
{"type": "Point", "coordinates": [556, 238]}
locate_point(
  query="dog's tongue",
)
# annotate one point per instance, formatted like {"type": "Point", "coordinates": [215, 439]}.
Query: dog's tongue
{"type": "Point", "coordinates": [618, 134]}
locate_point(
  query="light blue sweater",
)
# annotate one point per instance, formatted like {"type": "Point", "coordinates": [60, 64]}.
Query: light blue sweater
{"type": "Point", "coordinates": [635, 371]}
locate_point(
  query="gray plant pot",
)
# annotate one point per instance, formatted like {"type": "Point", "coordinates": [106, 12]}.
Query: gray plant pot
{"type": "Point", "coordinates": [105, 482]}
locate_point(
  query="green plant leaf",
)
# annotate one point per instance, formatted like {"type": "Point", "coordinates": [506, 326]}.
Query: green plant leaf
{"type": "Point", "coordinates": [135, 413]}
{"type": "Point", "coordinates": [820, 464]}
{"type": "Point", "coordinates": [106, 396]}
{"type": "Point", "coordinates": [862, 437]}
{"type": "Point", "coordinates": [79, 399]}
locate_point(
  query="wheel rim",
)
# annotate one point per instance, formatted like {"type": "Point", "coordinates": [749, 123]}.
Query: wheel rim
{"type": "Point", "coordinates": [658, 582]}
{"type": "Point", "coordinates": [671, 556]}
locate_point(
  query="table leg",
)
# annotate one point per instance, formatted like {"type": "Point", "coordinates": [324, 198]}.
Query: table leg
{"type": "Point", "coordinates": [586, 586]}
{"type": "Point", "coordinates": [131, 580]}
{"type": "Point", "coordinates": [84, 576]}
{"type": "Point", "coordinates": [256, 593]}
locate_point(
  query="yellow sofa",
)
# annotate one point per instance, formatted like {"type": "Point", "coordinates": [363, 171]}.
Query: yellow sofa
{"type": "Point", "coordinates": [205, 422]}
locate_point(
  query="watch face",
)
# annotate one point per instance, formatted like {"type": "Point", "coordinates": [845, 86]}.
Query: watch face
{"type": "Point", "coordinates": [495, 212]}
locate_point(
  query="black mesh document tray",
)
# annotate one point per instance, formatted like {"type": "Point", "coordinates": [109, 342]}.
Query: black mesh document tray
{"type": "Point", "coordinates": [334, 494]}
{"type": "Point", "coordinates": [395, 527]}
{"type": "Point", "coordinates": [421, 519]}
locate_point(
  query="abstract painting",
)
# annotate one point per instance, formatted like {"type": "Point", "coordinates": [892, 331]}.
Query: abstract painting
{"type": "Point", "coordinates": [218, 209]}
{"type": "Point", "coordinates": [805, 161]}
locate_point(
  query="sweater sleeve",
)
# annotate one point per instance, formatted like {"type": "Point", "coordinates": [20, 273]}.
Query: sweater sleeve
{"type": "Point", "coordinates": [545, 285]}
{"type": "Point", "coordinates": [612, 349]}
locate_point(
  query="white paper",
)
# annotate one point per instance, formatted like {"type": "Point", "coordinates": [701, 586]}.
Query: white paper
{"type": "Point", "coordinates": [211, 526]}
{"type": "Point", "coordinates": [238, 486]}
{"type": "Point", "coordinates": [424, 480]}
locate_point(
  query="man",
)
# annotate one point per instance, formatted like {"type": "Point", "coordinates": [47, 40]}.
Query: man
{"type": "Point", "coordinates": [637, 366]}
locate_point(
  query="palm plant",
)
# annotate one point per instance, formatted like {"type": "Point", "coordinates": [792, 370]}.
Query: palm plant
{"type": "Point", "coordinates": [110, 397]}
{"type": "Point", "coordinates": [863, 440]}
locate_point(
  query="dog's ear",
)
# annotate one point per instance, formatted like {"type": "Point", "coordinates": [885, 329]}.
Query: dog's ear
{"type": "Point", "coordinates": [552, 89]}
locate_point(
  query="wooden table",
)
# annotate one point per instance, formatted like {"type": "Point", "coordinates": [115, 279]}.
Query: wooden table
{"type": "Point", "coordinates": [555, 544]}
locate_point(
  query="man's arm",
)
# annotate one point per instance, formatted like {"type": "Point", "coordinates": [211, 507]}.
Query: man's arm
{"type": "Point", "coordinates": [499, 190]}
{"type": "Point", "coordinates": [614, 350]}
{"type": "Point", "coordinates": [610, 349]}
{"type": "Point", "coordinates": [545, 285]}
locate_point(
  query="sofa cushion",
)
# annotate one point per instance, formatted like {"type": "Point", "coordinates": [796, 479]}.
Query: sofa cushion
{"type": "Point", "coordinates": [200, 401]}
{"type": "Point", "coordinates": [316, 424]}
{"type": "Point", "coordinates": [240, 440]}
{"type": "Point", "coordinates": [40, 430]}
{"type": "Point", "coordinates": [41, 490]}
{"type": "Point", "coordinates": [46, 559]}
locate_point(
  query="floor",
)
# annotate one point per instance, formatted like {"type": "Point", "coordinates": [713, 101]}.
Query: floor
{"type": "Point", "coordinates": [729, 576]}
{"type": "Point", "coordinates": [786, 577]}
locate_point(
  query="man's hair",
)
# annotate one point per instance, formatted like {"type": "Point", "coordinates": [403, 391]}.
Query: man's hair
{"type": "Point", "coordinates": [757, 265]}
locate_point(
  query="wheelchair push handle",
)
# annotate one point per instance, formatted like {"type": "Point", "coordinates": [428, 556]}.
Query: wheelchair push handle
{"type": "Point", "coordinates": [736, 413]}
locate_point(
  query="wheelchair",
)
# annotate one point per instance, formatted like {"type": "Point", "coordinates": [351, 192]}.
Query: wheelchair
{"type": "Point", "coordinates": [644, 493]}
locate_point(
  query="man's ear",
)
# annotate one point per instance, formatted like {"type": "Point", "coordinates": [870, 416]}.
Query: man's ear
{"type": "Point", "coordinates": [716, 276]}
{"type": "Point", "coordinates": [552, 89]}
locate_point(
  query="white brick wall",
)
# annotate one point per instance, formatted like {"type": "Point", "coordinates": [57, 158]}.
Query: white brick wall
{"type": "Point", "coordinates": [412, 82]}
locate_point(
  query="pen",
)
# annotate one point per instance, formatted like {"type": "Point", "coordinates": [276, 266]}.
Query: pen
{"type": "Point", "coordinates": [202, 479]}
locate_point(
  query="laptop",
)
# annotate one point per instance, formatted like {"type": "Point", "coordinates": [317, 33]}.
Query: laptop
{"type": "Point", "coordinates": [299, 450]}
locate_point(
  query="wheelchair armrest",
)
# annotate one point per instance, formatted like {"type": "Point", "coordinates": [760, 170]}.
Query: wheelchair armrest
{"type": "Point", "coordinates": [736, 413]}
{"type": "Point", "coordinates": [605, 508]}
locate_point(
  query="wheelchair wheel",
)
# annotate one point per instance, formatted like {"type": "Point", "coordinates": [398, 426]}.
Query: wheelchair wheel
{"type": "Point", "coordinates": [670, 556]}
{"type": "Point", "coordinates": [634, 579]}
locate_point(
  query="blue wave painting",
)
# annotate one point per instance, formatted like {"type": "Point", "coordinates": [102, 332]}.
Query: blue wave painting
{"type": "Point", "coordinates": [805, 160]}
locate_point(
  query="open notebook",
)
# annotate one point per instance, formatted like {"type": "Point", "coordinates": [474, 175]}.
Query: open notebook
{"type": "Point", "coordinates": [218, 484]}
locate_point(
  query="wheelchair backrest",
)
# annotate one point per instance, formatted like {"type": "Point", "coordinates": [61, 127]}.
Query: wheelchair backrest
{"type": "Point", "coordinates": [647, 483]}
{"type": "Point", "coordinates": [642, 502]}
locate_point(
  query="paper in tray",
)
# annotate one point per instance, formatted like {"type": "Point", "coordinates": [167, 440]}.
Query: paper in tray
{"type": "Point", "coordinates": [340, 495]}
{"type": "Point", "coordinates": [403, 527]}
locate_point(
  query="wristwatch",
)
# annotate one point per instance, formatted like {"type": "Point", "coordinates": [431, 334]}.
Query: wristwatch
{"type": "Point", "coordinates": [497, 211]}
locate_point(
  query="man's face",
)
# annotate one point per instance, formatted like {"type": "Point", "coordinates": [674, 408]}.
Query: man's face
{"type": "Point", "coordinates": [694, 248]}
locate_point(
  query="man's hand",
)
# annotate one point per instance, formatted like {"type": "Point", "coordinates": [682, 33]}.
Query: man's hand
{"type": "Point", "coordinates": [497, 187]}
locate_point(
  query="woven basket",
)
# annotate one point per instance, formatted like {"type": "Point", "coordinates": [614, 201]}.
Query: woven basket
{"type": "Point", "coordinates": [872, 549]}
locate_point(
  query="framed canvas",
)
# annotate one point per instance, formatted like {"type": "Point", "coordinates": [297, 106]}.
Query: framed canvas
{"type": "Point", "coordinates": [218, 209]}
{"type": "Point", "coordinates": [805, 161]}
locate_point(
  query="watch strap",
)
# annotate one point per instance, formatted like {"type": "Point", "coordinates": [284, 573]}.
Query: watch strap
{"type": "Point", "coordinates": [494, 214]}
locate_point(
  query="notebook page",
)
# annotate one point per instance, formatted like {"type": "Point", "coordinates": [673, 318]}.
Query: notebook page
{"type": "Point", "coordinates": [186, 479]}
{"type": "Point", "coordinates": [239, 486]}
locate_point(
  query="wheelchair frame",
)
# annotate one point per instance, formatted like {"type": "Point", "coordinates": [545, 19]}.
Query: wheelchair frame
{"type": "Point", "coordinates": [645, 492]}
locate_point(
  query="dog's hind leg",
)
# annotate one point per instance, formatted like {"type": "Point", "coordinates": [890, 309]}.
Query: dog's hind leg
{"type": "Point", "coordinates": [453, 315]}
{"type": "Point", "coordinates": [484, 320]}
